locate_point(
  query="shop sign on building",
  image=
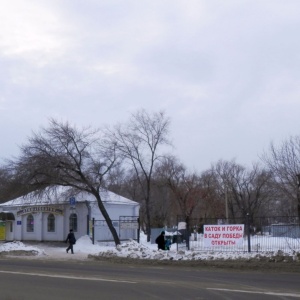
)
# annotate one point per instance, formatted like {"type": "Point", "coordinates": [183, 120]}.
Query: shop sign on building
{"type": "Point", "coordinates": [37, 209]}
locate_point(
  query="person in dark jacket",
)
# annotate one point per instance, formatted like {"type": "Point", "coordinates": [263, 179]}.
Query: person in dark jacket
{"type": "Point", "coordinates": [160, 241]}
{"type": "Point", "coordinates": [71, 239]}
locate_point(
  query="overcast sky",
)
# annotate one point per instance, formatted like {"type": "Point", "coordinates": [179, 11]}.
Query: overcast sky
{"type": "Point", "coordinates": [227, 73]}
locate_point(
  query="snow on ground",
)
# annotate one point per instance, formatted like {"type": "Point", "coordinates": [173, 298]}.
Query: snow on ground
{"type": "Point", "coordinates": [130, 249]}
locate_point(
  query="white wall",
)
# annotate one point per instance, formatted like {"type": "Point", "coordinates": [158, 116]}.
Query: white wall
{"type": "Point", "coordinates": [41, 233]}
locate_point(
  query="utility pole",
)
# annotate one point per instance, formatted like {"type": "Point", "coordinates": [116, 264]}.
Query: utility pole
{"type": "Point", "coordinates": [226, 206]}
{"type": "Point", "coordinates": [298, 195]}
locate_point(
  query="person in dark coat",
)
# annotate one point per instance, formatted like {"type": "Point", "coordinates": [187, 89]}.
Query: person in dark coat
{"type": "Point", "coordinates": [71, 239]}
{"type": "Point", "coordinates": [160, 241]}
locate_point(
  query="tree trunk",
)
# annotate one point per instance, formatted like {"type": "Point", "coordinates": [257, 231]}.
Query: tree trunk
{"type": "Point", "coordinates": [108, 220]}
{"type": "Point", "coordinates": [298, 203]}
{"type": "Point", "coordinates": [148, 224]}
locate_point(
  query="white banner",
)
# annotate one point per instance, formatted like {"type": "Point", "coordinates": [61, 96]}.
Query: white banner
{"type": "Point", "coordinates": [223, 235]}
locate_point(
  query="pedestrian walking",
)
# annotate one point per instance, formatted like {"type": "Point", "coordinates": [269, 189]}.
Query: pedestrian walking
{"type": "Point", "coordinates": [72, 241]}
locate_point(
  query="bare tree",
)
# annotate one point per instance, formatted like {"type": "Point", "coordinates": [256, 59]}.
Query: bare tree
{"type": "Point", "coordinates": [161, 208]}
{"type": "Point", "coordinates": [213, 204]}
{"type": "Point", "coordinates": [11, 183]}
{"type": "Point", "coordinates": [62, 155]}
{"type": "Point", "coordinates": [186, 187]}
{"type": "Point", "coordinates": [246, 190]}
{"type": "Point", "coordinates": [283, 162]}
{"type": "Point", "coordinates": [140, 141]}
{"type": "Point", "coordinates": [127, 184]}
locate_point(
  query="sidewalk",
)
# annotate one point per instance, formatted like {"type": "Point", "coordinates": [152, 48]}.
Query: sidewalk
{"type": "Point", "coordinates": [57, 250]}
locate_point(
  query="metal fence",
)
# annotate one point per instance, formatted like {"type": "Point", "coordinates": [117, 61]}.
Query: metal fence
{"type": "Point", "coordinates": [127, 227]}
{"type": "Point", "coordinates": [238, 235]}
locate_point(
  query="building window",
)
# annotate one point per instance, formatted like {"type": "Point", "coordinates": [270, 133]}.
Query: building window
{"type": "Point", "coordinates": [51, 223]}
{"type": "Point", "coordinates": [73, 222]}
{"type": "Point", "coordinates": [30, 223]}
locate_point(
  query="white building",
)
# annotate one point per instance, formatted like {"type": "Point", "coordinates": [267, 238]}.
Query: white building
{"type": "Point", "coordinates": [50, 218]}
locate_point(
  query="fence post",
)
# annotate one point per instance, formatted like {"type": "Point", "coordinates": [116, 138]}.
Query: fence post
{"type": "Point", "coordinates": [139, 229]}
{"type": "Point", "coordinates": [248, 231]}
{"type": "Point", "coordinates": [93, 230]}
{"type": "Point", "coordinates": [188, 232]}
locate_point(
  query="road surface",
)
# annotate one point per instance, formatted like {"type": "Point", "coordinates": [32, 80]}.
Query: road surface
{"type": "Point", "coordinates": [22, 279]}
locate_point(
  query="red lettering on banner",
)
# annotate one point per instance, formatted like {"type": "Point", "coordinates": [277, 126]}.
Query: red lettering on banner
{"type": "Point", "coordinates": [234, 228]}
{"type": "Point", "coordinates": [212, 228]}
{"type": "Point", "coordinates": [223, 243]}
{"type": "Point", "coordinates": [232, 235]}
{"type": "Point", "coordinates": [214, 235]}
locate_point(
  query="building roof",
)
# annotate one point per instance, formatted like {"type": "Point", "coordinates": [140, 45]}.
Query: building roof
{"type": "Point", "coordinates": [63, 198]}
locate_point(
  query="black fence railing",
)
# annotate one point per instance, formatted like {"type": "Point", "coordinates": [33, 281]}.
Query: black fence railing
{"type": "Point", "coordinates": [239, 234]}
{"type": "Point", "coordinates": [127, 227]}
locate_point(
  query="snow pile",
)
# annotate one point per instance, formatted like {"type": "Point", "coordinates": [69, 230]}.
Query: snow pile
{"type": "Point", "coordinates": [131, 249]}
{"type": "Point", "coordinates": [15, 246]}
{"type": "Point", "coordinates": [145, 250]}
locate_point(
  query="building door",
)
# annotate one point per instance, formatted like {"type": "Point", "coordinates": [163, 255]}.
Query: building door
{"type": "Point", "coordinates": [9, 230]}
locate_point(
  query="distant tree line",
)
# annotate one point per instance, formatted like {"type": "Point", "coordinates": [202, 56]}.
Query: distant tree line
{"type": "Point", "coordinates": [133, 159]}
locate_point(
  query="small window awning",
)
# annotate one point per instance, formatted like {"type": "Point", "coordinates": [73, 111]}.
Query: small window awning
{"type": "Point", "coordinates": [7, 216]}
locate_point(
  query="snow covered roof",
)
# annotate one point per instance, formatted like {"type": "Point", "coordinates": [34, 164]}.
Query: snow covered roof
{"type": "Point", "coordinates": [107, 197]}
{"type": "Point", "coordinates": [63, 198]}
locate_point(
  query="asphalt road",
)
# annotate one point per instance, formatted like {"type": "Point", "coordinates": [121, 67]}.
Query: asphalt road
{"type": "Point", "coordinates": [22, 279]}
